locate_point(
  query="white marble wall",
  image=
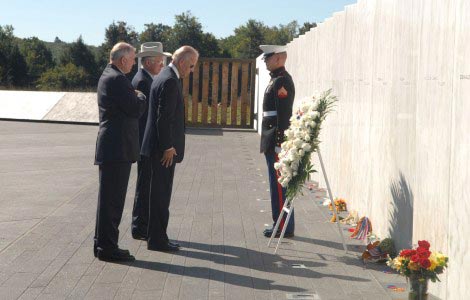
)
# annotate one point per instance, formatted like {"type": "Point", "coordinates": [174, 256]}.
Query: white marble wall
{"type": "Point", "coordinates": [398, 145]}
{"type": "Point", "coordinates": [50, 106]}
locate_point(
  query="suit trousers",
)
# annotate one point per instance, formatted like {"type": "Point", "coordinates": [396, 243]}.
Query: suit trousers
{"type": "Point", "coordinates": [140, 212]}
{"type": "Point", "coordinates": [278, 193]}
{"type": "Point", "coordinates": [114, 178]}
{"type": "Point", "coordinates": [160, 194]}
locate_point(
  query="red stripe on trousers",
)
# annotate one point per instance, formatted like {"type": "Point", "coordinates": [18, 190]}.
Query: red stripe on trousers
{"type": "Point", "coordinates": [279, 191]}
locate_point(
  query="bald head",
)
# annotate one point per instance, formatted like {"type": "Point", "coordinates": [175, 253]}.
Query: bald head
{"type": "Point", "coordinates": [119, 50]}
{"type": "Point", "coordinates": [185, 59]}
{"type": "Point", "coordinates": [122, 56]}
{"type": "Point", "coordinates": [184, 53]}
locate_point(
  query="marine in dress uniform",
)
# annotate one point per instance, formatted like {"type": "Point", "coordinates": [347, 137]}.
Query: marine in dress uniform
{"type": "Point", "coordinates": [277, 110]}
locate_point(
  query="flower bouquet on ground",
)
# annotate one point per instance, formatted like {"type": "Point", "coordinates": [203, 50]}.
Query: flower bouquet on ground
{"type": "Point", "coordinates": [419, 265]}
{"type": "Point", "coordinates": [301, 140]}
{"type": "Point", "coordinates": [340, 205]}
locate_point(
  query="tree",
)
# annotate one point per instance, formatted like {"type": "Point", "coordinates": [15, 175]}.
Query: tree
{"type": "Point", "coordinates": [119, 32]}
{"type": "Point", "coordinates": [64, 78]}
{"type": "Point", "coordinates": [115, 33]}
{"type": "Point", "coordinates": [156, 33]}
{"type": "Point", "coordinates": [283, 34]}
{"type": "Point", "coordinates": [80, 55]}
{"type": "Point", "coordinates": [37, 56]}
{"type": "Point", "coordinates": [13, 71]}
{"type": "Point", "coordinates": [188, 31]}
{"type": "Point", "coordinates": [246, 40]}
{"type": "Point", "coordinates": [306, 27]}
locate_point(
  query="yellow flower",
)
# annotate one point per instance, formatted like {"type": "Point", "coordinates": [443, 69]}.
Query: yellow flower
{"type": "Point", "coordinates": [413, 266]}
{"type": "Point", "coordinates": [441, 259]}
{"type": "Point", "coordinates": [433, 261]}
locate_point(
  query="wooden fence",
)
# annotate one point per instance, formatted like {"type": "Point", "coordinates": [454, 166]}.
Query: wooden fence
{"type": "Point", "coordinates": [220, 93]}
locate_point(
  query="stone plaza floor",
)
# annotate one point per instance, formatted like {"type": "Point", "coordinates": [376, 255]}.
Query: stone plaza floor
{"type": "Point", "coordinates": [218, 211]}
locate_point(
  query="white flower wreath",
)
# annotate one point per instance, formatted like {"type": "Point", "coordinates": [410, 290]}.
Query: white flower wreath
{"type": "Point", "coordinates": [301, 140]}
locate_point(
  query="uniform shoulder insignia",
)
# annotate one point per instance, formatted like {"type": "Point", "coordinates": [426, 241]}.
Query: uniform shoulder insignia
{"type": "Point", "coordinates": [282, 93]}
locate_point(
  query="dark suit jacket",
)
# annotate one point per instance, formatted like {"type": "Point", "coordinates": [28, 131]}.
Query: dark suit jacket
{"type": "Point", "coordinates": [142, 81]}
{"type": "Point", "coordinates": [119, 111]}
{"type": "Point", "coordinates": [165, 123]}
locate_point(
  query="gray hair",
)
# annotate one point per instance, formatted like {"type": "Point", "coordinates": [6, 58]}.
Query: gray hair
{"type": "Point", "coordinates": [119, 50]}
{"type": "Point", "coordinates": [184, 53]}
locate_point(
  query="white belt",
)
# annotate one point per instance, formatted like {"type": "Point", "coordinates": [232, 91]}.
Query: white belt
{"type": "Point", "coordinates": [271, 113]}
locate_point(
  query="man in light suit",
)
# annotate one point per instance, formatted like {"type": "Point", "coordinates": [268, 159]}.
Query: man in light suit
{"type": "Point", "coordinates": [152, 57]}
{"type": "Point", "coordinates": [164, 140]}
{"type": "Point", "coordinates": [117, 147]}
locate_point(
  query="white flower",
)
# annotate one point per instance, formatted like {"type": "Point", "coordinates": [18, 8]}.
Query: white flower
{"type": "Point", "coordinates": [307, 137]}
{"type": "Point", "coordinates": [277, 165]}
{"type": "Point", "coordinates": [314, 114]}
{"type": "Point", "coordinates": [298, 142]}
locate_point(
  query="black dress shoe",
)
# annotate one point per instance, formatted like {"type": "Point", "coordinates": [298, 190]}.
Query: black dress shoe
{"type": "Point", "coordinates": [139, 236]}
{"type": "Point", "coordinates": [164, 247]}
{"type": "Point", "coordinates": [268, 232]}
{"type": "Point", "coordinates": [115, 255]}
{"type": "Point", "coordinates": [122, 251]}
{"type": "Point", "coordinates": [174, 244]}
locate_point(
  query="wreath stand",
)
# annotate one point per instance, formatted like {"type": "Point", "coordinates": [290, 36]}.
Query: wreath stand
{"type": "Point", "coordinates": [288, 208]}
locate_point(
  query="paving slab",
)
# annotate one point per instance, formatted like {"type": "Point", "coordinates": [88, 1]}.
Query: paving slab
{"type": "Point", "coordinates": [219, 208]}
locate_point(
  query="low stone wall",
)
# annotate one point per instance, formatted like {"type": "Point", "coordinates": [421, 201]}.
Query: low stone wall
{"type": "Point", "coordinates": [49, 106]}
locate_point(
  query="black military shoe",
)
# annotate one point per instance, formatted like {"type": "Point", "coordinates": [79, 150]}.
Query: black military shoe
{"type": "Point", "coordinates": [269, 232]}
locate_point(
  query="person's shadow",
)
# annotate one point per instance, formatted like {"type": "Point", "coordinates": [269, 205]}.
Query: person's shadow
{"type": "Point", "coordinates": [240, 257]}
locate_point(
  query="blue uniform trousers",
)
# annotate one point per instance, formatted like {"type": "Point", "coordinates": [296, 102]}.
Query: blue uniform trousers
{"type": "Point", "coordinates": [278, 193]}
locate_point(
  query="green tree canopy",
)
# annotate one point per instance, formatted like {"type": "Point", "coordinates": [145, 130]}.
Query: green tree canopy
{"type": "Point", "coordinates": [64, 78]}
{"type": "Point", "coordinates": [80, 55]}
{"type": "Point", "coordinates": [188, 31]}
{"type": "Point", "coordinates": [306, 27]}
{"type": "Point", "coordinates": [246, 40]}
{"type": "Point", "coordinates": [156, 33]}
{"type": "Point", "coordinates": [13, 70]}
{"type": "Point", "coordinates": [37, 56]}
{"type": "Point", "coordinates": [119, 32]}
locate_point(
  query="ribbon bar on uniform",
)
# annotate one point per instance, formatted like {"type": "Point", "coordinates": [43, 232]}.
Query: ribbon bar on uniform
{"type": "Point", "coordinates": [271, 113]}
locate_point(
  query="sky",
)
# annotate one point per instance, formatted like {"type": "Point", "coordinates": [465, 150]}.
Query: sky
{"type": "Point", "coordinates": [67, 20]}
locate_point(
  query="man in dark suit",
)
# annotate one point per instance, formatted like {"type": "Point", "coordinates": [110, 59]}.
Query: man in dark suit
{"type": "Point", "coordinates": [117, 147]}
{"type": "Point", "coordinates": [164, 142]}
{"type": "Point", "coordinates": [277, 110]}
{"type": "Point", "coordinates": [151, 56]}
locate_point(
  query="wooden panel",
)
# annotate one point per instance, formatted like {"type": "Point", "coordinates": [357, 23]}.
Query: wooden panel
{"type": "Point", "coordinates": [244, 92]}
{"type": "Point", "coordinates": [195, 95]}
{"type": "Point", "coordinates": [223, 119]}
{"type": "Point", "coordinates": [225, 60]}
{"type": "Point", "coordinates": [215, 92]}
{"type": "Point", "coordinates": [234, 94]}
{"type": "Point", "coordinates": [205, 90]}
{"type": "Point", "coordinates": [186, 97]}
{"type": "Point", "coordinates": [252, 93]}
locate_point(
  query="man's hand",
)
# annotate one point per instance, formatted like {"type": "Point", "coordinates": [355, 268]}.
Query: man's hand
{"type": "Point", "coordinates": [139, 94]}
{"type": "Point", "coordinates": [167, 159]}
